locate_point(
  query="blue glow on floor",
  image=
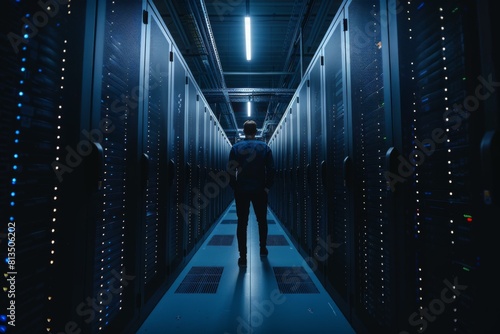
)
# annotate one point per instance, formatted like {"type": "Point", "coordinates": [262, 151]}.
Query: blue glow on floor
{"type": "Point", "coordinates": [247, 300]}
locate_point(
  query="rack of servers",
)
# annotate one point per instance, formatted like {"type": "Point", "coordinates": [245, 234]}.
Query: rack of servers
{"type": "Point", "coordinates": [109, 161]}
{"type": "Point", "coordinates": [386, 158]}
{"type": "Point", "coordinates": [386, 161]}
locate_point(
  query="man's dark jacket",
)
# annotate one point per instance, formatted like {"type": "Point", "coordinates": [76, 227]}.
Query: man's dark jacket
{"type": "Point", "coordinates": [255, 163]}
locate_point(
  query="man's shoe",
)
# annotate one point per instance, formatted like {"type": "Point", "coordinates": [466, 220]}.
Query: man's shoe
{"type": "Point", "coordinates": [263, 251]}
{"type": "Point", "coordinates": [242, 262]}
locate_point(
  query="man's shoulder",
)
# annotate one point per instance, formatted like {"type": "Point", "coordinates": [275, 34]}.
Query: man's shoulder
{"type": "Point", "coordinates": [251, 144]}
{"type": "Point", "coordinates": [241, 142]}
{"type": "Point", "coordinates": [257, 142]}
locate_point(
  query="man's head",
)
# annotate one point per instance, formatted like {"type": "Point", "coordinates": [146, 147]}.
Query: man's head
{"type": "Point", "coordinates": [250, 128]}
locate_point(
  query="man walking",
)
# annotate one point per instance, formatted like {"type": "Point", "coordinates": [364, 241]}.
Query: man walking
{"type": "Point", "coordinates": [251, 183]}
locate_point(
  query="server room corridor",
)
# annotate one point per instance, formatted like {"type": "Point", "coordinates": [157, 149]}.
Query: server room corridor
{"type": "Point", "coordinates": [277, 294]}
{"type": "Point", "coordinates": [119, 120]}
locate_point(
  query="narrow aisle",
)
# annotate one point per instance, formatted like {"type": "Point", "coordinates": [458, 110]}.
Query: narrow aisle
{"type": "Point", "coordinates": [213, 295]}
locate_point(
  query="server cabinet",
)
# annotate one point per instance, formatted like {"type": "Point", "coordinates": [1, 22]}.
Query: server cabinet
{"type": "Point", "coordinates": [81, 117]}
{"type": "Point", "coordinates": [191, 131]}
{"type": "Point", "coordinates": [178, 215]}
{"type": "Point", "coordinates": [444, 92]}
{"type": "Point", "coordinates": [198, 156]}
{"type": "Point", "coordinates": [173, 135]}
{"type": "Point", "coordinates": [277, 176]}
{"type": "Point", "coordinates": [490, 163]}
{"type": "Point", "coordinates": [305, 238]}
{"type": "Point", "coordinates": [275, 195]}
{"type": "Point", "coordinates": [296, 217]}
{"type": "Point", "coordinates": [214, 200]}
{"type": "Point", "coordinates": [209, 161]}
{"type": "Point", "coordinates": [369, 133]}
{"type": "Point", "coordinates": [317, 219]}
{"type": "Point", "coordinates": [93, 156]}
{"type": "Point", "coordinates": [337, 165]}
{"type": "Point", "coordinates": [41, 169]}
{"type": "Point", "coordinates": [218, 167]}
{"type": "Point", "coordinates": [283, 157]}
{"type": "Point", "coordinates": [156, 177]}
{"type": "Point", "coordinates": [113, 209]}
{"type": "Point", "coordinates": [289, 174]}
{"type": "Point", "coordinates": [286, 184]}
{"type": "Point", "coordinates": [409, 92]}
{"type": "Point", "coordinates": [205, 119]}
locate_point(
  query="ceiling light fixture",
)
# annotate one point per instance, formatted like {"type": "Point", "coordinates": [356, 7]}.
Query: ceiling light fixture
{"type": "Point", "coordinates": [248, 32]}
{"type": "Point", "coordinates": [248, 37]}
{"type": "Point", "coordinates": [249, 108]}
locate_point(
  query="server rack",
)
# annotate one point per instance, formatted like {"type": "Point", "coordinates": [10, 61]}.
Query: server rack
{"type": "Point", "coordinates": [443, 126]}
{"type": "Point", "coordinates": [96, 101]}
{"type": "Point", "coordinates": [337, 164]}
{"type": "Point", "coordinates": [296, 171]}
{"type": "Point", "coordinates": [303, 168]}
{"type": "Point", "coordinates": [156, 176]}
{"type": "Point", "coordinates": [290, 191]}
{"type": "Point", "coordinates": [369, 132]}
{"type": "Point", "coordinates": [319, 249]}
{"type": "Point", "coordinates": [42, 156]}
{"type": "Point", "coordinates": [404, 118]}
{"type": "Point", "coordinates": [111, 266]}
{"type": "Point", "coordinates": [190, 126]}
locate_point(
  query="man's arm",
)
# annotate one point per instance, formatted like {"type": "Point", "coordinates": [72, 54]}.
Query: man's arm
{"type": "Point", "coordinates": [231, 167]}
{"type": "Point", "coordinates": [270, 170]}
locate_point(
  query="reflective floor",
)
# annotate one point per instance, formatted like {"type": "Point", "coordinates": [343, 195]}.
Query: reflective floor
{"type": "Point", "coordinates": [274, 294]}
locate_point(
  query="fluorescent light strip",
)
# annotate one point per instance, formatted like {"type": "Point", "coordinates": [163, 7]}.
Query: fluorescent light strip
{"type": "Point", "coordinates": [248, 41]}
{"type": "Point", "coordinates": [249, 108]}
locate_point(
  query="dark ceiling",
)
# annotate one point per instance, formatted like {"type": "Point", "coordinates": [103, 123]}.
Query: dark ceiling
{"type": "Point", "coordinates": [211, 37]}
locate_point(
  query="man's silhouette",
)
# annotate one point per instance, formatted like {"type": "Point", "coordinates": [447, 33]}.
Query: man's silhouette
{"type": "Point", "coordinates": [251, 183]}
